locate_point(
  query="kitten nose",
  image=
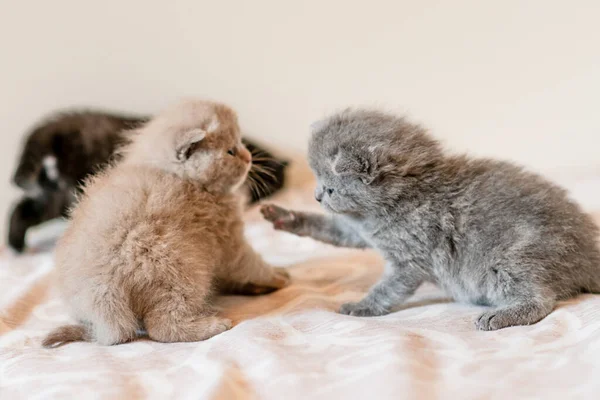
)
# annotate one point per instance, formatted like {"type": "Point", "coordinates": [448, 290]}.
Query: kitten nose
{"type": "Point", "coordinates": [245, 155]}
{"type": "Point", "coordinates": [318, 194]}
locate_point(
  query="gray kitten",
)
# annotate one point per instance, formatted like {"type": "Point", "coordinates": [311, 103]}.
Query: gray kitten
{"type": "Point", "coordinates": [486, 231]}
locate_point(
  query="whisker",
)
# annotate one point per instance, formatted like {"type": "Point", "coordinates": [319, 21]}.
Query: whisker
{"type": "Point", "coordinates": [252, 185]}
{"type": "Point", "coordinates": [271, 160]}
{"type": "Point", "coordinates": [261, 169]}
{"type": "Point", "coordinates": [261, 185]}
{"type": "Point", "coordinates": [257, 191]}
{"type": "Point", "coordinates": [257, 151]}
{"type": "Point", "coordinates": [260, 155]}
{"type": "Point", "coordinates": [259, 164]}
{"type": "Point", "coordinates": [269, 168]}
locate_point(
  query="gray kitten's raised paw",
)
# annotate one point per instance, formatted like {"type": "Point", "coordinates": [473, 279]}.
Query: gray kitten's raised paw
{"type": "Point", "coordinates": [361, 310]}
{"type": "Point", "coordinates": [281, 218]}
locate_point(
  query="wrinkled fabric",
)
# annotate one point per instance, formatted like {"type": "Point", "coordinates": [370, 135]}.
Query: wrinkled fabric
{"type": "Point", "coordinates": [293, 345]}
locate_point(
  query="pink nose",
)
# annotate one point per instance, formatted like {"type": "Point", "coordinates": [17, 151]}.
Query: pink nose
{"type": "Point", "coordinates": [245, 155]}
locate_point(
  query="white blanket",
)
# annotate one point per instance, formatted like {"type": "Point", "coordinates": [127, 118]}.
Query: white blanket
{"type": "Point", "coordinates": [293, 345]}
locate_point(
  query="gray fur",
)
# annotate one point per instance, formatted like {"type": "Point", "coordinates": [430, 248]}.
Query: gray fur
{"type": "Point", "coordinates": [486, 231]}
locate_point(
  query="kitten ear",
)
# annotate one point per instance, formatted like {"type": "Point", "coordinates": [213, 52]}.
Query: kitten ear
{"type": "Point", "coordinates": [213, 125]}
{"type": "Point", "coordinates": [318, 125]}
{"type": "Point", "coordinates": [346, 164]}
{"type": "Point", "coordinates": [187, 143]}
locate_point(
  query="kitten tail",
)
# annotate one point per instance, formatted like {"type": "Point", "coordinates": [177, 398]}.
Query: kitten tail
{"type": "Point", "coordinates": [66, 334]}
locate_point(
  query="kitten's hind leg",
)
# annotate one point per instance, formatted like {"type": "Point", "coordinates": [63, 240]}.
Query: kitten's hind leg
{"type": "Point", "coordinates": [397, 284]}
{"type": "Point", "coordinates": [163, 328]}
{"type": "Point", "coordinates": [525, 312]}
{"type": "Point", "coordinates": [520, 298]}
{"type": "Point", "coordinates": [250, 275]}
{"type": "Point", "coordinates": [170, 324]}
{"type": "Point", "coordinates": [111, 321]}
{"type": "Point", "coordinates": [181, 313]}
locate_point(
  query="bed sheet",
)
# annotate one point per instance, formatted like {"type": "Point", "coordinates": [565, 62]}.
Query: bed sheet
{"type": "Point", "coordinates": [293, 345]}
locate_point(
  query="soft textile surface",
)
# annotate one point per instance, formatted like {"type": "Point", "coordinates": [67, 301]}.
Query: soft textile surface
{"type": "Point", "coordinates": [292, 344]}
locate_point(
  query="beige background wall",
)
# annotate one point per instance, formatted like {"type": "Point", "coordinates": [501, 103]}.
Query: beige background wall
{"type": "Point", "coordinates": [515, 79]}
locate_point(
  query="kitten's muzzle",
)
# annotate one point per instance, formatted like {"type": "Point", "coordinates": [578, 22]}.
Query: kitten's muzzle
{"type": "Point", "coordinates": [319, 194]}
{"type": "Point", "coordinates": [245, 155]}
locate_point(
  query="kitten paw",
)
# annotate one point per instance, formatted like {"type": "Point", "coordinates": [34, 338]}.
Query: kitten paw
{"type": "Point", "coordinates": [492, 320]}
{"type": "Point", "coordinates": [525, 314]}
{"type": "Point", "coordinates": [361, 310]}
{"type": "Point", "coordinates": [202, 329]}
{"type": "Point", "coordinates": [282, 277]}
{"type": "Point", "coordinates": [218, 326]}
{"type": "Point", "coordinates": [281, 218]}
{"type": "Point", "coordinates": [498, 319]}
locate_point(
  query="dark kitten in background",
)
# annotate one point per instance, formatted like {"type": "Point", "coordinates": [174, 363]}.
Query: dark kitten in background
{"type": "Point", "coordinates": [64, 149]}
{"type": "Point", "coordinates": [486, 231]}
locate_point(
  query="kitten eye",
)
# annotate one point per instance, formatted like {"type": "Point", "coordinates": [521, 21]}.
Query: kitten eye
{"type": "Point", "coordinates": [231, 152]}
{"type": "Point", "coordinates": [329, 191]}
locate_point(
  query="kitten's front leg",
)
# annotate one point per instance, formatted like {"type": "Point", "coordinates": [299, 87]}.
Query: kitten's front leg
{"type": "Point", "coordinates": [251, 275]}
{"type": "Point", "coordinates": [33, 211]}
{"type": "Point", "coordinates": [397, 284]}
{"type": "Point", "coordinates": [320, 227]}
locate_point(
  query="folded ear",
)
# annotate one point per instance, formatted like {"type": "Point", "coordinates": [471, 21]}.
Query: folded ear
{"type": "Point", "coordinates": [318, 125]}
{"type": "Point", "coordinates": [187, 143]}
{"type": "Point", "coordinates": [347, 164]}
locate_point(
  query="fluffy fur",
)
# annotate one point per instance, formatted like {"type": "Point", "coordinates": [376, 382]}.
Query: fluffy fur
{"type": "Point", "coordinates": [67, 147]}
{"type": "Point", "coordinates": [486, 231]}
{"type": "Point", "coordinates": [153, 237]}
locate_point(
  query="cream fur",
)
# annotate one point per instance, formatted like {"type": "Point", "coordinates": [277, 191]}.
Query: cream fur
{"type": "Point", "coordinates": [154, 237]}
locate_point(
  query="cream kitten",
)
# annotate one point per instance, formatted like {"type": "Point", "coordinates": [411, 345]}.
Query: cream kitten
{"type": "Point", "coordinates": [153, 237]}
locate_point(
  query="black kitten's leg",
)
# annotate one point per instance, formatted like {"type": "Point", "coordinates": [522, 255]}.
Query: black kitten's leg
{"type": "Point", "coordinates": [28, 212]}
{"type": "Point", "coordinates": [320, 227]}
{"type": "Point", "coordinates": [398, 283]}
{"type": "Point", "coordinates": [32, 211]}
